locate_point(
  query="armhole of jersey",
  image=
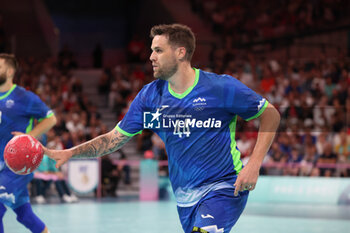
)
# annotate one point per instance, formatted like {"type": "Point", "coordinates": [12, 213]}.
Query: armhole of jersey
{"type": "Point", "coordinates": [48, 116]}
{"type": "Point", "coordinates": [126, 133]}
{"type": "Point", "coordinates": [260, 112]}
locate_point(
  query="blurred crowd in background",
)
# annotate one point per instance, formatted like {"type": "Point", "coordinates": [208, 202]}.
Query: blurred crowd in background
{"type": "Point", "coordinates": [247, 21]}
{"type": "Point", "coordinates": [312, 95]}
{"type": "Point", "coordinates": [2, 35]}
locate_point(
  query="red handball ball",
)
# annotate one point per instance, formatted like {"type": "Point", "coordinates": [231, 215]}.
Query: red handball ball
{"type": "Point", "coordinates": [23, 154]}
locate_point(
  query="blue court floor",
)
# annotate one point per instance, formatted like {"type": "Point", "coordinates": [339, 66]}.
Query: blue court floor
{"type": "Point", "coordinates": [161, 217]}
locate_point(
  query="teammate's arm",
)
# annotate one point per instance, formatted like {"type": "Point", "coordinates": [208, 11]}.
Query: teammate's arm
{"type": "Point", "coordinates": [41, 128]}
{"type": "Point", "coordinates": [269, 121]}
{"type": "Point", "coordinates": [97, 147]}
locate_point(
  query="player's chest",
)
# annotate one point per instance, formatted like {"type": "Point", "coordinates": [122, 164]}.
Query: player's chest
{"type": "Point", "coordinates": [197, 103]}
{"type": "Point", "coordinates": [12, 110]}
{"type": "Point", "coordinates": [183, 117]}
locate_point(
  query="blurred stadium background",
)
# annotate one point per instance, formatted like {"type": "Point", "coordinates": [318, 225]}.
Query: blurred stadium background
{"type": "Point", "coordinates": [87, 60]}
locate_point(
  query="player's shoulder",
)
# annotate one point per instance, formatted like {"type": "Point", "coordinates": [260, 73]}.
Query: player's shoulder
{"type": "Point", "coordinates": [21, 94]}
{"type": "Point", "coordinates": [155, 88]}
{"type": "Point", "coordinates": [19, 89]}
{"type": "Point", "coordinates": [219, 80]}
{"type": "Point", "coordinates": [22, 90]}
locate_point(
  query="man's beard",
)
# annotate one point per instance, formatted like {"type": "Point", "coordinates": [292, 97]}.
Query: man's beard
{"type": "Point", "coordinates": [3, 78]}
{"type": "Point", "coordinates": [166, 72]}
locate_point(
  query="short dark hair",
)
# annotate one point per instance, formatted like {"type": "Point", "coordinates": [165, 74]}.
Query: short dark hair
{"type": "Point", "coordinates": [10, 60]}
{"type": "Point", "coordinates": [178, 35]}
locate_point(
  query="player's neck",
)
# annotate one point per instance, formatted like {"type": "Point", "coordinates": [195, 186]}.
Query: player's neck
{"type": "Point", "coordinates": [6, 86]}
{"type": "Point", "coordinates": [182, 79]}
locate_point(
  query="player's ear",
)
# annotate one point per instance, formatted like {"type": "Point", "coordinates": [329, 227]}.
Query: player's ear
{"type": "Point", "coordinates": [181, 53]}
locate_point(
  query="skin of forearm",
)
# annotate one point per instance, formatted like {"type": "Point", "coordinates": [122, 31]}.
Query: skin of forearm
{"type": "Point", "coordinates": [269, 122]}
{"type": "Point", "coordinates": [42, 127]}
{"type": "Point", "coordinates": [101, 145]}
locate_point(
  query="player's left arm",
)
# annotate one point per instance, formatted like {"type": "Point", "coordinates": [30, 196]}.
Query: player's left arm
{"type": "Point", "coordinates": [42, 127]}
{"type": "Point", "coordinates": [248, 176]}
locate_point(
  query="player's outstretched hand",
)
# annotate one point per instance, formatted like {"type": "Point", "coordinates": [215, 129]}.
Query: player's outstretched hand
{"type": "Point", "coordinates": [61, 156]}
{"type": "Point", "coordinates": [246, 179]}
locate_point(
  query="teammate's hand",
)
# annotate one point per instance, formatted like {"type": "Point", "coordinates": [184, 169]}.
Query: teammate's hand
{"type": "Point", "coordinates": [60, 156]}
{"type": "Point", "coordinates": [247, 178]}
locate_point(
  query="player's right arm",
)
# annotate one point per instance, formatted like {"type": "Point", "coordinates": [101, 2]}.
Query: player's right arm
{"type": "Point", "coordinates": [97, 147]}
{"type": "Point", "coordinates": [131, 125]}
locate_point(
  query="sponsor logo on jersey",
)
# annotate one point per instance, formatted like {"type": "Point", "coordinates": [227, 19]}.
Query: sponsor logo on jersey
{"type": "Point", "coordinates": [261, 103]}
{"type": "Point", "coordinates": [207, 216]}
